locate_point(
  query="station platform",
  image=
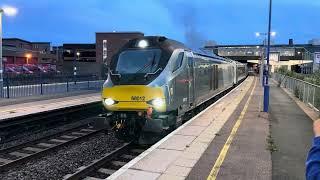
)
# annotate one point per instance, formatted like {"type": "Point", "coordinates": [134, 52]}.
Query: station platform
{"type": "Point", "coordinates": [233, 139]}
{"type": "Point", "coordinates": [228, 140]}
{"type": "Point", "coordinates": [20, 107]}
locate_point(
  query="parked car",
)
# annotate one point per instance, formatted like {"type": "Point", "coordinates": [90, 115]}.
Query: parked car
{"type": "Point", "coordinates": [10, 70]}
{"type": "Point", "coordinates": [35, 68]}
{"type": "Point", "coordinates": [22, 69]}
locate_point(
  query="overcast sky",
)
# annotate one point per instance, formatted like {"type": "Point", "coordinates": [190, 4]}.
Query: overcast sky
{"type": "Point", "coordinates": [189, 21]}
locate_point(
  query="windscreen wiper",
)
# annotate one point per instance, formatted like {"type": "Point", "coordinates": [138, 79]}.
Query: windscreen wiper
{"type": "Point", "coordinates": [116, 74]}
{"type": "Point", "coordinates": [153, 73]}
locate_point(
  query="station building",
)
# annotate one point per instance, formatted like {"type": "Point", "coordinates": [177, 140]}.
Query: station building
{"type": "Point", "coordinates": [296, 57]}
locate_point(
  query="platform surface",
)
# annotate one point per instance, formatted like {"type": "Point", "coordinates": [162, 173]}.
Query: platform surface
{"type": "Point", "coordinates": [189, 152]}
{"type": "Point", "coordinates": [22, 109]}
{"type": "Point", "coordinates": [241, 150]}
{"type": "Point", "coordinates": [291, 129]}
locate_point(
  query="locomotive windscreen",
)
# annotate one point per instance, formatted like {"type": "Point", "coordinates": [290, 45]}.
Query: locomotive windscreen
{"type": "Point", "coordinates": [137, 66]}
{"type": "Point", "coordinates": [138, 61]}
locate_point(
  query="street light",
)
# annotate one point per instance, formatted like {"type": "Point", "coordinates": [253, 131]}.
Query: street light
{"type": "Point", "coordinates": [75, 67]}
{"type": "Point", "coordinates": [8, 11]}
{"type": "Point", "coordinates": [28, 56]}
{"type": "Point", "coordinates": [258, 34]}
{"type": "Point", "coordinates": [266, 92]}
{"type": "Point", "coordinates": [265, 35]}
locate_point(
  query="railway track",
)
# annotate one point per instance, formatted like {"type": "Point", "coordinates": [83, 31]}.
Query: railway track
{"type": "Point", "coordinates": [10, 127]}
{"type": "Point", "coordinates": [107, 165]}
{"type": "Point", "coordinates": [22, 153]}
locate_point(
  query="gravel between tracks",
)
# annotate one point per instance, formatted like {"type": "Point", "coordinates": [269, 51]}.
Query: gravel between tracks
{"type": "Point", "coordinates": [66, 160]}
{"type": "Point", "coordinates": [31, 136]}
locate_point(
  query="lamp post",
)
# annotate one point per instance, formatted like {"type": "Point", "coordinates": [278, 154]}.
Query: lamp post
{"type": "Point", "coordinates": [9, 11]}
{"type": "Point", "coordinates": [28, 56]}
{"type": "Point", "coordinates": [266, 93]}
{"type": "Point", "coordinates": [262, 66]}
{"type": "Point", "coordinates": [75, 67]}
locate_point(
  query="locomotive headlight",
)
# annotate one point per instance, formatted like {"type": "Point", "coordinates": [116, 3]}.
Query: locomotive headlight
{"type": "Point", "coordinates": [158, 102]}
{"type": "Point", "coordinates": [142, 43]}
{"type": "Point", "coordinates": [109, 101]}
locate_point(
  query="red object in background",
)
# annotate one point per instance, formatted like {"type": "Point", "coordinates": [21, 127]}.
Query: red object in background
{"type": "Point", "coordinates": [34, 68]}
{"type": "Point", "coordinates": [20, 60]}
{"type": "Point", "coordinates": [149, 112]}
{"type": "Point", "coordinates": [32, 60]}
{"type": "Point", "coordinates": [9, 60]}
{"type": "Point", "coordinates": [11, 70]}
{"type": "Point", "coordinates": [23, 60]}
{"type": "Point", "coordinates": [30, 68]}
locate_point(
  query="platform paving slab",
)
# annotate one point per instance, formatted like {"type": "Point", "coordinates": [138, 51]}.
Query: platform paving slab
{"type": "Point", "coordinates": [177, 142]}
{"type": "Point", "coordinates": [157, 161]}
{"type": "Point", "coordinates": [141, 175]}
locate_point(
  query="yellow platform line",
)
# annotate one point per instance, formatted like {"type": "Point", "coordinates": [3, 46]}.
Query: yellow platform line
{"type": "Point", "coordinates": [215, 169]}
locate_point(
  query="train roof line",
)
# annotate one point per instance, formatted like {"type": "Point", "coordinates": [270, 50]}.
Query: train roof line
{"type": "Point", "coordinates": [210, 56]}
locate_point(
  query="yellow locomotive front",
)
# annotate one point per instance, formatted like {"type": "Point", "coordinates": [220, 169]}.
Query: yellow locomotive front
{"type": "Point", "coordinates": [136, 98]}
{"type": "Point", "coordinates": [134, 102]}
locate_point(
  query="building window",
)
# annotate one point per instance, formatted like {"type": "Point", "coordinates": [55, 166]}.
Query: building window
{"type": "Point", "coordinates": [104, 50]}
{"type": "Point", "coordinates": [68, 53]}
{"type": "Point", "coordinates": [88, 54]}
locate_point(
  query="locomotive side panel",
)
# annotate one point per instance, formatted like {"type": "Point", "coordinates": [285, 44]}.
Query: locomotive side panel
{"type": "Point", "coordinates": [211, 77]}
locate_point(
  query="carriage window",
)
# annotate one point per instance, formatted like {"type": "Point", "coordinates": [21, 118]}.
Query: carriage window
{"type": "Point", "coordinates": [177, 64]}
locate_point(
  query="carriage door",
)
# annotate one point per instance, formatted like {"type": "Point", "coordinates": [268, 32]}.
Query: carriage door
{"type": "Point", "coordinates": [190, 80]}
{"type": "Point", "coordinates": [181, 82]}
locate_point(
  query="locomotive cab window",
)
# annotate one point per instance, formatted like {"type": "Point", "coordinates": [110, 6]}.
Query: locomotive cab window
{"type": "Point", "coordinates": [178, 63]}
{"type": "Point", "coordinates": [138, 61]}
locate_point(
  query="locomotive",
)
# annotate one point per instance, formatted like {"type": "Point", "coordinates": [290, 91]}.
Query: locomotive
{"type": "Point", "coordinates": [154, 81]}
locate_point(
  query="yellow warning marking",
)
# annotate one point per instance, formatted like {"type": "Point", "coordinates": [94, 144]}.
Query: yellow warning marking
{"type": "Point", "coordinates": [215, 169]}
{"type": "Point", "coordinates": [9, 111]}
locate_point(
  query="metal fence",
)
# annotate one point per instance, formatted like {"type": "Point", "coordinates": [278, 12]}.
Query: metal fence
{"type": "Point", "coordinates": [306, 92]}
{"type": "Point", "coordinates": [31, 85]}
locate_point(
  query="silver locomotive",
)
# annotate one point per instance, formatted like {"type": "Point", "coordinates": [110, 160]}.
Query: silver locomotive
{"type": "Point", "coordinates": [154, 83]}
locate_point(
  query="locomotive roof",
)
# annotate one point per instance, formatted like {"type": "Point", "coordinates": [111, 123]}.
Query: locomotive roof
{"type": "Point", "coordinates": [171, 45]}
{"type": "Point", "coordinates": [159, 41]}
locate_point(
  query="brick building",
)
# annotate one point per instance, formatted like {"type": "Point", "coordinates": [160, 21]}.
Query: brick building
{"type": "Point", "coordinates": [19, 51]}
